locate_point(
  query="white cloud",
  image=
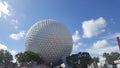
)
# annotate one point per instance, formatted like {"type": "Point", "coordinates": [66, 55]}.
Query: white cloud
{"type": "Point", "coordinates": [4, 9]}
{"type": "Point", "coordinates": [17, 36]}
{"type": "Point", "coordinates": [112, 36]}
{"type": "Point", "coordinates": [76, 46]}
{"type": "Point", "coordinates": [113, 21]}
{"type": "Point", "coordinates": [102, 60]}
{"type": "Point", "coordinates": [93, 27]}
{"type": "Point", "coordinates": [2, 46]}
{"type": "Point", "coordinates": [117, 34]}
{"type": "Point", "coordinates": [13, 52]}
{"type": "Point", "coordinates": [76, 36]}
{"type": "Point", "coordinates": [102, 46]}
{"type": "Point", "coordinates": [14, 23]}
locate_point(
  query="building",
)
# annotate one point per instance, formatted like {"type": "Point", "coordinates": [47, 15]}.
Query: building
{"type": "Point", "coordinates": [51, 40]}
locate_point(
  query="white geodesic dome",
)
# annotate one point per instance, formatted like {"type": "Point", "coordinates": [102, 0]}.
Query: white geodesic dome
{"type": "Point", "coordinates": [50, 39]}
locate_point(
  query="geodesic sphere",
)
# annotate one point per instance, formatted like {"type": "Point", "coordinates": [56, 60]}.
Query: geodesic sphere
{"type": "Point", "coordinates": [50, 39]}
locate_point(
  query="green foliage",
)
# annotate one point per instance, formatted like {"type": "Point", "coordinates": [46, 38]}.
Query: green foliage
{"type": "Point", "coordinates": [80, 59]}
{"type": "Point", "coordinates": [28, 56]}
{"type": "Point", "coordinates": [20, 57]}
{"type": "Point", "coordinates": [111, 57]}
{"type": "Point", "coordinates": [95, 59]}
{"type": "Point", "coordinates": [5, 56]}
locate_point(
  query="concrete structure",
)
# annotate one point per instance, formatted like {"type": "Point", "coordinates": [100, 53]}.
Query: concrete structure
{"type": "Point", "coordinates": [51, 40]}
{"type": "Point", "coordinates": [117, 62]}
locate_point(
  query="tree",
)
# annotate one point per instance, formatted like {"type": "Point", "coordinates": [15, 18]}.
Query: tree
{"type": "Point", "coordinates": [20, 57]}
{"type": "Point", "coordinates": [95, 59]}
{"type": "Point", "coordinates": [79, 60]}
{"type": "Point", "coordinates": [28, 56]}
{"type": "Point", "coordinates": [5, 57]}
{"type": "Point", "coordinates": [111, 57]}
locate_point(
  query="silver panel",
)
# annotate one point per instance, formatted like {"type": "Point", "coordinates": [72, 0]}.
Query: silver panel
{"type": "Point", "coordinates": [50, 39]}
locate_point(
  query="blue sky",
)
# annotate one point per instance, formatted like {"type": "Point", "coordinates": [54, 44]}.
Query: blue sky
{"type": "Point", "coordinates": [93, 24]}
